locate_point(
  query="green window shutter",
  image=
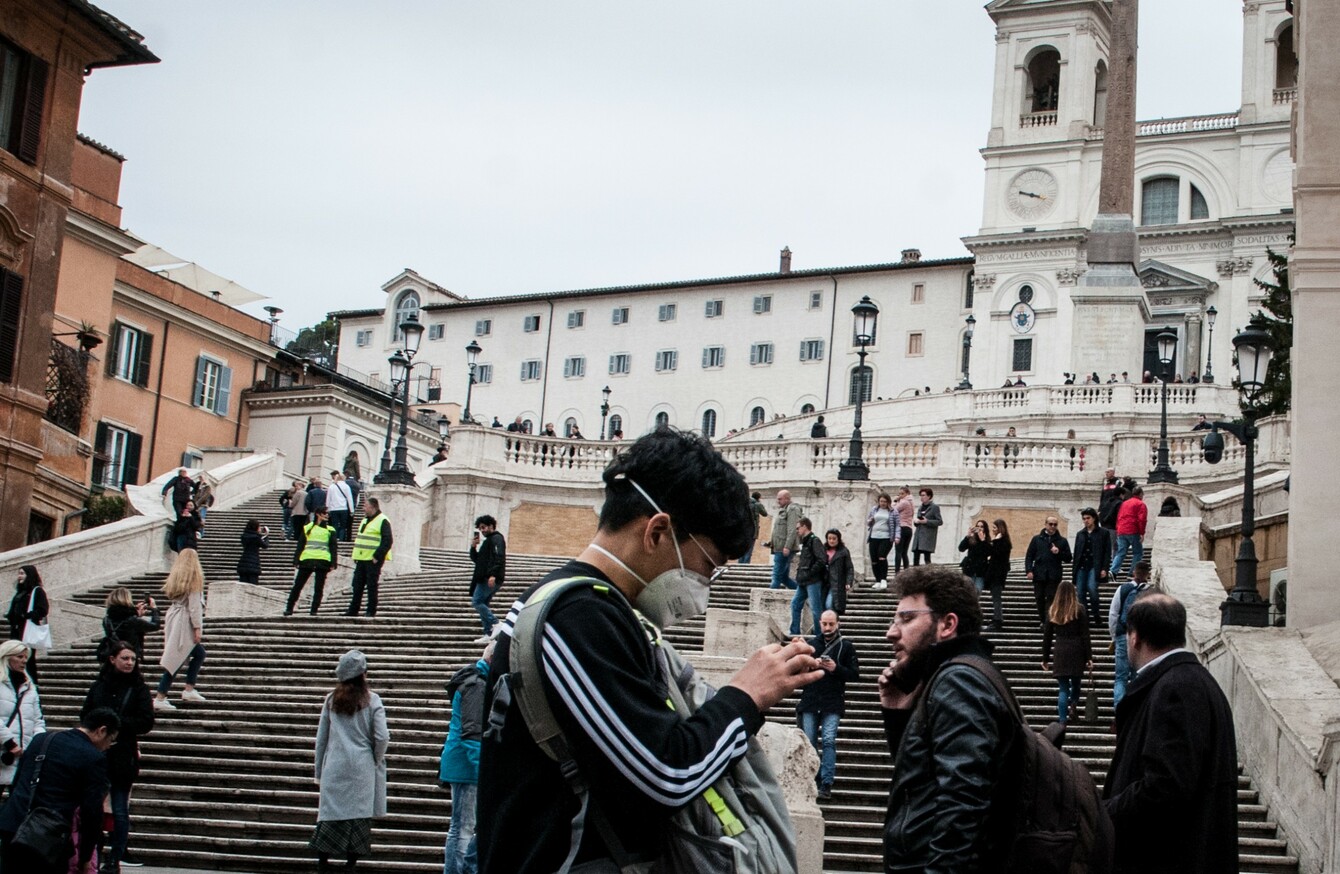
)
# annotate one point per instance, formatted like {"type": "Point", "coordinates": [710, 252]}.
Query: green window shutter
{"type": "Point", "coordinates": [225, 389]}
{"type": "Point", "coordinates": [99, 454]}
{"type": "Point", "coordinates": [30, 134]}
{"type": "Point", "coordinates": [198, 396]}
{"type": "Point", "coordinates": [142, 365]}
{"type": "Point", "coordinates": [132, 465]}
{"type": "Point", "coordinates": [11, 308]}
{"type": "Point", "coordinates": [113, 347]}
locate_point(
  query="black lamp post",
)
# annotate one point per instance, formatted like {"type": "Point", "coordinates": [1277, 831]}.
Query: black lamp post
{"type": "Point", "coordinates": [443, 431]}
{"type": "Point", "coordinates": [604, 409]}
{"type": "Point", "coordinates": [1163, 472]}
{"type": "Point", "coordinates": [1210, 315]}
{"type": "Point", "coordinates": [402, 363]}
{"type": "Point", "coordinates": [1244, 605]}
{"type": "Point", "coordinates": [471, 356]}
{"type": "Point", "coordinates": [866, 313]}
{"type": "Point", "coordinates": [971, 322]}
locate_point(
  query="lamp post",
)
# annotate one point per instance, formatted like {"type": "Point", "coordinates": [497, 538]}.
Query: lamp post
{"type": "Point", "coordinates": [866, 314]}
{"type": "Point", "coordinates": [1210, 315]}
{"type": "Point", "coordinates": [1244, 605]}
{"type": "Point", "coordinates": [604, 410]}
{"type": "Point", "coordinates": [402, 363]}
{"type": "Point", "coordinates": [471, 356]}
{"type": "Point", "coordinates": [274, 312]}
{"type": "Point", "coordinates": [971, 322]}
{"type": "Point", "coordinates": [1163, 472]}
{"type": "Point", "coordinates": [443, 431]}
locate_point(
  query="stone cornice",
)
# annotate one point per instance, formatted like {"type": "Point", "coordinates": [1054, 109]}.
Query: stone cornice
{"type": "Point", "coordinates": [1058, 239]}
{"type": "Point", "coordinates": [99, 234]}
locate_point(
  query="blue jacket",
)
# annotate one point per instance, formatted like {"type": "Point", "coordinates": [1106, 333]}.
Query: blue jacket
{"type": "Point", "coordinates": [460, 754]}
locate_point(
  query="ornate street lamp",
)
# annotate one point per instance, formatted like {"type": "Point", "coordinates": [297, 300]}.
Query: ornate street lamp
{"type": "Point", "coordinates": [471, 356]}
{"type": "Point", "coordinates": [971, 322]}
{"type": "Point", "coordinates": [443, 430]}
{"type": "Point", "coordinates": [604, 410]}
{"type": "Point", "coordinates": [1244, 605]}
{"type": "Point", "coordinates": [402, 363]}
{"type": "Point", "coordinates": [1163, 472]}
{"type": "Point", "coordinates": [866, 314]}
{"type": "Point", "coordinates": [1210, 315]}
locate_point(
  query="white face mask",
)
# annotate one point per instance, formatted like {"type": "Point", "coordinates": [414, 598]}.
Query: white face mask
{"type": "Point", "coordinates": [674, 596]}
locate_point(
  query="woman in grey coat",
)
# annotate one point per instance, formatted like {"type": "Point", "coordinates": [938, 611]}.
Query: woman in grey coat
{"type": "Point", "coordinates": [927, 522]}
{"type": "Point", "coordinates": [351, 744]}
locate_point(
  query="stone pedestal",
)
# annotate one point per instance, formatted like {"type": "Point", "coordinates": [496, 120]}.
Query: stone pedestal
{"type": "Point", "coordinates": [406, 507]}
{"type": "Point", "coordinates": [776, 604]}
{"type": "Point", "coordinates": [1111, 309]}
{"type": "Point", "coordinates": [795, 762]}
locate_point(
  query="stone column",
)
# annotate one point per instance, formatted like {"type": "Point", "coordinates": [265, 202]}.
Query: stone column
{"type": "Point", "coordinates": [406, 508]}
{"type": "Point", "coordinates": [1314, 599]}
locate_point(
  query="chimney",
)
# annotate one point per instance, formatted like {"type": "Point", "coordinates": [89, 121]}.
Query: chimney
{"type": "Point", "coordinates": [786, 260]}
{"type": "Point", "coordinates": [911, 256]}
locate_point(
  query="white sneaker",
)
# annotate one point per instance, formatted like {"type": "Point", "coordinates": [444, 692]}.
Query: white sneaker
{"type": "Point", "coordinates": [163, 704]}
{"type": "Point", "coordinates": [480, 641]}
{"type": "Point", "coordinates": [880, 585]}
{"type": "Point", "coordinates": [192, 695]}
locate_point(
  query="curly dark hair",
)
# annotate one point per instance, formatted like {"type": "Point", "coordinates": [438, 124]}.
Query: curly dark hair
{"type": "Point", "coordinates": [946, 591]}
{"type": "Point", "coordinates": [689, 479]}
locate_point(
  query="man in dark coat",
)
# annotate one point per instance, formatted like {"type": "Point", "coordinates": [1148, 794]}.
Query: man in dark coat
{"type": "Point", "coordinates": [1093, 553]}
{"type": "Point", "coordinates": [1109, 499]}
{"type": "Point", "coordinates": [488, 551]}
{"type": "Point", "coordinates": [1172, 788]}
{"type": "Point", "coordinates": [74, 777]}
{"type": "Point", "coordinates": [1044, 562]}
{"type": "Point", "coordinates": [182, 488]}
{"type": "Point", "coordinates": [822, 703]}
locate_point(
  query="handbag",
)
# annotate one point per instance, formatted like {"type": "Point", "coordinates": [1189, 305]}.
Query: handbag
{"type": "Point", "coordinates": [36, 635]}
{"type": "Point", "coordinates": [1091, 702]}
{"type": "Point", "coordinates": [44, 832]}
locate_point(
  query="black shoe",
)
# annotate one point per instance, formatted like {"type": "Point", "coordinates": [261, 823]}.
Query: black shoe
{"type": "Point", "coordinates": [825, 793]}
{"type": "Point", "coordinates": [131, 861]}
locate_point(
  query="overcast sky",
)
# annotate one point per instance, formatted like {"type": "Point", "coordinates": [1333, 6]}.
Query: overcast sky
{"type": "Point", "coordinates": [310, 150]}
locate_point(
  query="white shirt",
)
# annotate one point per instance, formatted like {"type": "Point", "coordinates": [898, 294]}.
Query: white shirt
{"type": "Point", "coordinates": [338, 496]}
{"type": "Point", "coordinates": [1154, 661]}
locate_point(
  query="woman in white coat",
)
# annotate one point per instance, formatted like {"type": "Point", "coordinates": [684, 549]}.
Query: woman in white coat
{"type": "Point", "coordinates": [351, 744]}
{"type": "Point", "coordinates": [20, 709]}
{"type": "Point", "coordinates": [183, 628]}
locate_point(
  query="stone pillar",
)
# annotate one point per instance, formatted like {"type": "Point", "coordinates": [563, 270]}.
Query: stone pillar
{"type": "Point", "coordinates": [1314, 274]}
{"type": "Point", "coordinates": [406, 508]}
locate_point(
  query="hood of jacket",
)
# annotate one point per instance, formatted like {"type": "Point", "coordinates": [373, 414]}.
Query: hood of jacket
{"type": "Point", "coordinates": [479, 669]}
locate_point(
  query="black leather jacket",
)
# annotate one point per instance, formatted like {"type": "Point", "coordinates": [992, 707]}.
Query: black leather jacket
{"type": "Point", "coordinates": [951, 799]}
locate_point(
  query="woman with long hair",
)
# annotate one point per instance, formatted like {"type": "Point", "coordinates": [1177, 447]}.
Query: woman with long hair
{"type": "Point", "coordinates": [120, 687]}
{"type": "Point", "coordinates": [29, 604]}
{"type": "Point", "coordinates": [127, 621]}
{"type": "Point", "coordinates": [351, 741]}
{"type": "Point", "coordinates": [977, 544]}
{"type": "Point", "coordinates": [841, 574]}
{"type": "Point", "coordinates": [1067, 633]}
{"type": "Point", "coordinates": [183, 628]}
{"type": "Point", "coordinates": [255, 537]}
{"type": "Point", "coordinates": [881, 525]}
{"type": "Point", "coordinates": [997, 569]}
{"type": "Point", "coordinates": [20, 709]}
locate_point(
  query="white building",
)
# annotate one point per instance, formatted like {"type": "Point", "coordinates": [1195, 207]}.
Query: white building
{"type": "Point", "coordinates": [1211, 194]}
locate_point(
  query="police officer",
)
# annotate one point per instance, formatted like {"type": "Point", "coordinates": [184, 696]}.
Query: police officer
{"type": "Point", "coordinates": [316, 554]}
{"type": "Point", "coordinates": [372, 547]}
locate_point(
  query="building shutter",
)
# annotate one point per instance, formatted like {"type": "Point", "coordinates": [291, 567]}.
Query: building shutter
{"type": "Point", "coordinates": [30, 134]}
{"type": "Point", "coordinates": [99, 454]}
{"type": "Point", "coordinates": [132, 463]}
{"type": "Point", "coordinates": [225, 389]}
{"type": "Point", "coordinates": [142, 365]}
{"type": "Point", "coordinates": [114, 347]}
{"type": "Point", "coordinates": [11, 308]}
{"type": "Point", "coordinates": [198, 396]}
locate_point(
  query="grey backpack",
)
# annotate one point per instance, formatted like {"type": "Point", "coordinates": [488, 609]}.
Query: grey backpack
{"type": "Point", "coordinates": [740, 824]}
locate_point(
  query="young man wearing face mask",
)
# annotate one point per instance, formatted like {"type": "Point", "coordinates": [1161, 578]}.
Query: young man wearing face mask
{"type": "Point", "coordinates": [674, 512]}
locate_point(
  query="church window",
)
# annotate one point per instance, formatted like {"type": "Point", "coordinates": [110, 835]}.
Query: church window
{"type": "Point", "coordinates": [1199, 208]}
{"type": "Point", "coordinates": [616, 424]}
{"type": "Point", "coordinates": [406, 306]}
{"type": "Point", "coordinates": [1100, 95]}
{"type": "Point", "coordinates": [1022, 358]}
{"type": "Point", "coordinates": [1158, 201]}
{"type": "Point", "coordinates": [862, 380]}
{"type": "Point", "coordinates": [916, 344]}
{"type": "Point", "coordinates": [662, 419]}
{"type": "Point", "coordinates": [967, 290]}
{"type": "Point", "coordinates": [1286, 62]}
{"type": "Point", "coordinates": [756, 416]}
{"type": "Point", "coordinates": [1026, 293]}
{"type": "Point", "coordinates": [709, 423]}
{"type": "Point", "coordinates": [569, 424]}
{"type": "Point", "coordinates": [806, 409]}
{"type": "Point", "coordinates": [1044, 81]}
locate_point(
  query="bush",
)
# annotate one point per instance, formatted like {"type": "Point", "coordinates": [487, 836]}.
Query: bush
{"type": "Point", "coordinates": [103, 509]}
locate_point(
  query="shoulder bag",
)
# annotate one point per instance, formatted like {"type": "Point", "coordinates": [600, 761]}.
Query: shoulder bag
{"type": "Point", "coordinates": [36, 635]}
{"type": "Point", "coordinates": [44, 832]}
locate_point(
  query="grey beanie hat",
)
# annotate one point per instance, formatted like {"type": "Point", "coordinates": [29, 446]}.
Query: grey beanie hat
{"type": "Point", "coordinates": [352, 664]}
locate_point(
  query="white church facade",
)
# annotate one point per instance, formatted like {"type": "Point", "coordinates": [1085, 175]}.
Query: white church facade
{"type": "Point", "coordinates": [1212, 193]}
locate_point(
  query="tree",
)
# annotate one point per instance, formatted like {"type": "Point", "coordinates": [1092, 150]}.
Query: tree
{"type": "Point", "coordinates": [1276, 319]}
{"type": "Point", "coordinates": [317, 342]}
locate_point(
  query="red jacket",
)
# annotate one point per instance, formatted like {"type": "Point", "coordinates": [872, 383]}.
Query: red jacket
{"type": "Point", "coordinates": [1132, 516]}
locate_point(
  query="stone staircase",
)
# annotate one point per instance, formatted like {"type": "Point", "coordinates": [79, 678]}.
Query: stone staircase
{"type": "Point", "coordinates": [227, 784]}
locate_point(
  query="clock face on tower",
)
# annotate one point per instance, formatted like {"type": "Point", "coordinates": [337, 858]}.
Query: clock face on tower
{"type": "Point", "coordinates": [1031, 193]}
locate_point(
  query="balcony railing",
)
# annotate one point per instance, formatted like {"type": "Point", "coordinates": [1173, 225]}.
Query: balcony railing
{"type": "Point", "coordinates": [1037, 119]}
{"type": "Point", "coordinates": [1187, 124]}
{"type": "Point", "coordinates": [67, 386]}
{"type": "Point", "coordinates": [1285, 95]}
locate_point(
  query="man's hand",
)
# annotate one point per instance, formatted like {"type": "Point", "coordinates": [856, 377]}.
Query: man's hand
{"type": "Point", "coordinates": [786, 552]}
{"type": "Point", "coordinates": [890, 696]}
{"type": "Point", "coordinates": [493, 581]}
{"type": "Point", "coordinates": [1030, 575]}
{"type": "Point", "coordinates": [1055, 550]}
{"type": "Point", "coordinates": [1046, 666]}
{"type": "Point", "coordinates": [775, 671]}
{"type": "Point", "coordinates": [828, 664]}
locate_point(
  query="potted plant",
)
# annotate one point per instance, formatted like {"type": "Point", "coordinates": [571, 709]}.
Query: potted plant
{"type": "Point", "coordinates": [87, 335]}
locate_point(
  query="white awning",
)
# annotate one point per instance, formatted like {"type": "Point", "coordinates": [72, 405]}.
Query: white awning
{"type": "Point", "coordinates": [192, 275]}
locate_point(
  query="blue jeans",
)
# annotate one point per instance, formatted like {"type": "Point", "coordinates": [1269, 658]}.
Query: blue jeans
{"type": "Point", "coordinates": [196, 660]}
{"type": "Point", "coordinates": [1069, 692]}
{"type": "Point", "coordinates": [461, 850]}
{"type": "Point", "coordinates": [1124, 543]}
{"type": "Point", "coordinates": [826, 746]}
{"type": "Point", "coordinates": [479, 600]}
{"type": "Point", "coordinates": [781, 571]}
{"type": "Point", "coordinates": [814, 593]}
{"type": "Point", "coordinates": [748, 556]}
{"type": "Point", "coordinates": [1123, 671]}
{"type": "Point", "coordinates": [120, 799]}
{"type": "Point", "coordinates": [1086, 586]}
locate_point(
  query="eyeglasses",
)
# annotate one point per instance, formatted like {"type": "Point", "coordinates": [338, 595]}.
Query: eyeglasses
{"type": "Point", "coordinates": [1051, 524]}
{"type": "Point", "coordinates": [903, 617]}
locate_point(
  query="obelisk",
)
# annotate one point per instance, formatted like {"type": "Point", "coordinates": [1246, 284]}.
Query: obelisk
{"type": "Point", "coordinates": [1111, 309]}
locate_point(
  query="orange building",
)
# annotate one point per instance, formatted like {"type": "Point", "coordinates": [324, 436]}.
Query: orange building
{"type": "Point", "coordinates": [46, 50]}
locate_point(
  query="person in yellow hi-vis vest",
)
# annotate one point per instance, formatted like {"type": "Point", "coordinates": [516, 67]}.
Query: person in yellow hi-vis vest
{"type": "Point", "coordinates": [316, 554]}
{"type": "Point", "coordinates": [372, 548]}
